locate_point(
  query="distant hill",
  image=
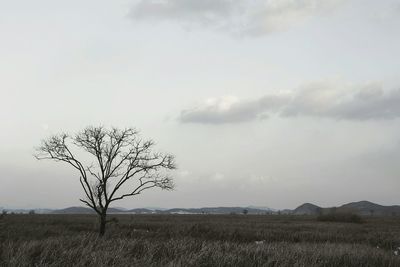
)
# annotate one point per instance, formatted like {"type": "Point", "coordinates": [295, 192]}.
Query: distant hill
{"type": "Point", "coordinates": [74, 210]}
{"type": "Point", "coordinates": [285, 212]}
{"type": "Point", "coordinates": [369, 208]}
{"type": "Point", "coordinates": [268, 209]}
{"type": "Point", "coordinates": [217, 210]}
{"type": "Point", "coordinates": [84, 210]}
{"type": "Point", "coordinates": [307, 209]}
{"type": "Point", "coordinates": [141, 211]}
{"type": "Point", "coordinates": [364, 208]}
{"type": "Point", "coordinates": [26, 211]}
{"type": "Point", "coordinates": [207, 210]}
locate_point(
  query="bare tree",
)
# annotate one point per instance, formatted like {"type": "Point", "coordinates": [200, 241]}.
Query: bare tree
{"type": "Point", "coordinates": [124, 165]}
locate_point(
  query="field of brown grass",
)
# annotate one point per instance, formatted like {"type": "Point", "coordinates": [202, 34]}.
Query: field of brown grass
{"type": "Point", "coordinates": [197, 240]}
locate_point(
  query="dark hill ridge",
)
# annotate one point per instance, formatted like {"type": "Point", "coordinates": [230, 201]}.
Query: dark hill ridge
{"type": "Point", "coordinates": [307, 209]}
{"type": "Point", "coordinates": [361, 208]}
{"type": "Point", "coordinates": [207, 210]}
{"type": "Point", "coordinates": [83, 210]}
{"type": "Point", "coordinates": [73, 210]}
{"type": "Point", "coordinates": [369, 208]}
{"type": "Point", "coordinates": [364, 208]}
{"type": "Point", "coordinates": [219, 210]}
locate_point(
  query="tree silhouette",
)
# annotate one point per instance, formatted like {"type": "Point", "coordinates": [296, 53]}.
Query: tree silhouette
{"type": "Point", "coordinates": [124, 165]}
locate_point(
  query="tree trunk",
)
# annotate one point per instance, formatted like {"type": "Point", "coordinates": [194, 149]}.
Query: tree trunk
{"type": "Point", "coordinates": [103, 221]}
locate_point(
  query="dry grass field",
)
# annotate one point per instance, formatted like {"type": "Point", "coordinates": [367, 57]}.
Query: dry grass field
{"type": "Point", "coordinates": [197, 240]}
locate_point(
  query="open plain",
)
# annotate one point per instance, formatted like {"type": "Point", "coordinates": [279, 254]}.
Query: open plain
{"type": "Point", "coordinates": [197, 240]}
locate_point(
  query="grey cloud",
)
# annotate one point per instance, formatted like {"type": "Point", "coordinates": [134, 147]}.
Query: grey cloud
{"type": "Point", "coordinates": [215, 113]}
{"type": "Point", "coordinates": [204, 11]}
{"type": "Point", "coordinates": [238, 17]}
{"type": "Point", "coordinates": [345, 102]}
{"type": "Point", "coordinates": [315, 100]}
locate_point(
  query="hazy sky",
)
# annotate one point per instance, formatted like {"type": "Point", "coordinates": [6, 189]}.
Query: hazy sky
{"type": "Point", "coordinates": [263, 102]}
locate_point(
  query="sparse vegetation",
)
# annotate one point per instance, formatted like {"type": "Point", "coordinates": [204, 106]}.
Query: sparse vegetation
{"type": "Point", "coordinates": [197, 240]}
{"type": "Point", "coordinates": [340, 217]}
{"type": "Point", "coordinates": [3, 214]}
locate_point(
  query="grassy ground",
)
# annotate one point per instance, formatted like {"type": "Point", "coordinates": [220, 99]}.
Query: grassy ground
{"type": "Point", "coordinates": [197, 240]}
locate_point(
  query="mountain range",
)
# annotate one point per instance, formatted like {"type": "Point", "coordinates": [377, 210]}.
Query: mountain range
{"type": "Point", "coordinates": [206, 210]}
{"type": "Point", "coordinates": [364, 208]}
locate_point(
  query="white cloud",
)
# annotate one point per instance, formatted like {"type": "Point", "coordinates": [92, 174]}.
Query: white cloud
{"type": "Point", "coordinates": [218, 177]}
{"type": "Point", "coordinates": [238, 17]}
{"type": "Point", "coordinates": [320, 99]}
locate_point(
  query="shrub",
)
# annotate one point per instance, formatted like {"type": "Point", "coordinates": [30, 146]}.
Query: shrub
{"type": "Point", "coordinates": [3, 214]}
{"type": "Point", "coordinates": [340, 217]}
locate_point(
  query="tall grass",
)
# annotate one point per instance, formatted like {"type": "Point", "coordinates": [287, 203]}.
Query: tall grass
{"type": "Point", "coordinates": [197, 240]}
{"type": "Point", "coordinates": [340, 217]}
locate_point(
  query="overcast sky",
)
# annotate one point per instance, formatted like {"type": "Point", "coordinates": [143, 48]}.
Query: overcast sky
{"type": "Point", "coordinates": [263, 102]}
